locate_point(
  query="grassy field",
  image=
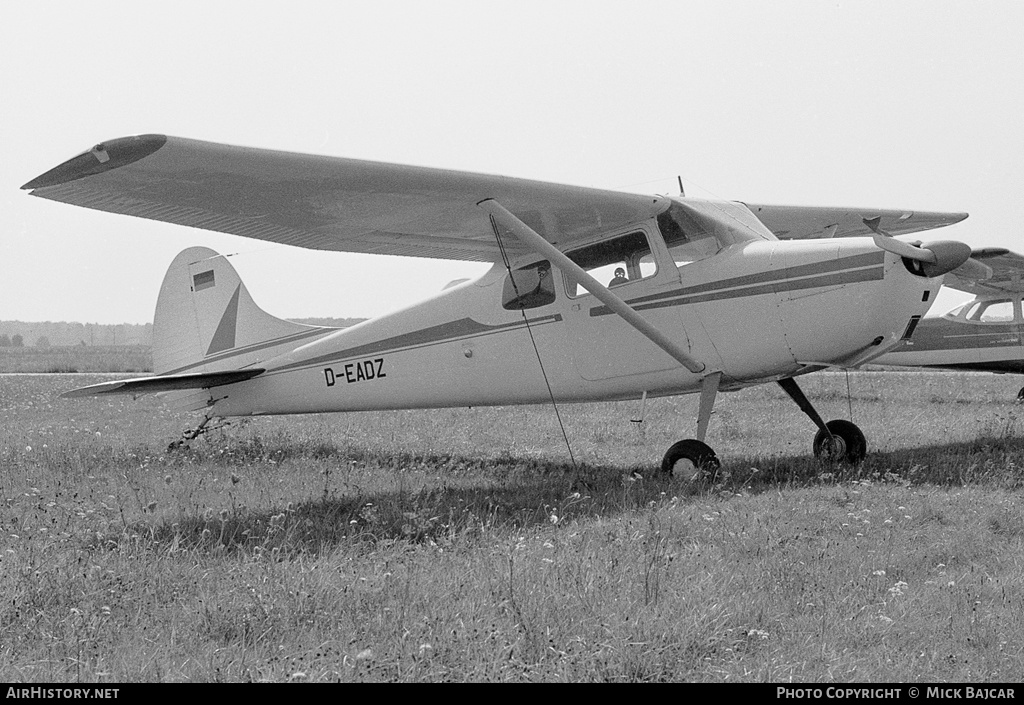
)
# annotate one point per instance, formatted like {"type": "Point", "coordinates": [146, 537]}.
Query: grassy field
{"type": "Point", "coordinates": [463, 544]}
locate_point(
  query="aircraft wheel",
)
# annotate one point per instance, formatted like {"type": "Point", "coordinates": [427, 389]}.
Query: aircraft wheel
{"type": "Point", "coordinates": [1020, 395]}
{"type": "Point", "coordinates": [689, 459]}
{"type": "Point", "coordinates": [847, 442]}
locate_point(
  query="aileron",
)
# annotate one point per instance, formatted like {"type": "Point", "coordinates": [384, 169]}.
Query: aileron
{"type": "Point", "coordinates": [804, 222]}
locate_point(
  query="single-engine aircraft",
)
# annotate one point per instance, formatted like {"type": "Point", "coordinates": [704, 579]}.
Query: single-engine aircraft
{"type": "Point", "coordinates": [985, 333]}
{"type": "Point", "coordinates": [709, 298]}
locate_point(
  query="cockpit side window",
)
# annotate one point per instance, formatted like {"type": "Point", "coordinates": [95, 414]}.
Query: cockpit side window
{"type": "Point", "coordinates": [688, 238]}
{"type": "Point", "coordinates": [615, 262]}
{"type": "Point", "coordinates": [528, 287]}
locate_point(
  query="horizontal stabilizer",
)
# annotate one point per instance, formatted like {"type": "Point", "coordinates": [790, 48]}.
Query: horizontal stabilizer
{"type": "Point", "coordinates": [165, 383]}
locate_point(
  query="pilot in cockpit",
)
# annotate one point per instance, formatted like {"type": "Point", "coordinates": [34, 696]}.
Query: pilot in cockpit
{"type": "Point", "coordinates": [619, 278]}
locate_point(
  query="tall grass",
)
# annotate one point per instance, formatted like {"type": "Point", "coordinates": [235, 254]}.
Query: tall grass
{"type": "Point", "coordinates": [463, 545]}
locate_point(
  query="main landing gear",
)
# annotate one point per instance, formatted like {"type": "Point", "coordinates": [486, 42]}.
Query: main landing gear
{"type": "Point", "coordinates": [837, 440]}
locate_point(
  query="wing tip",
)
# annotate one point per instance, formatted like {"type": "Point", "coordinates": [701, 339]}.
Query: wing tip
{"type": "Point", "coordinates": [103, 157]}
{"type": "Point", "coordinates": [92, 390]}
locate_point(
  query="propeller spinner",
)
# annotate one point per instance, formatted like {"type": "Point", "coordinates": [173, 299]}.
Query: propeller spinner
{"type": "Point", "coordinates": [936, 258]}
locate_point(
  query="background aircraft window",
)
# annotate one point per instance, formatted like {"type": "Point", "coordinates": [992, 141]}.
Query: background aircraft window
{"type": "Point", "coordinates": [529, 287]}
{"type": "Point", "coordinates": [689, 238]}
{"type": "Point", "coordinates": [994, 312]}
{"type": "Point", "coordinates": [630, 253]}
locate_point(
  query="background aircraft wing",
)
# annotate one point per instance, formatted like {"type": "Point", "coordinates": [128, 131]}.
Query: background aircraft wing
{"type": "Point", "coordinates": [1007, 273]}
{"type": "Point", "coordinates": [327, 203]}
{"type": "Point", "coordinates": [800, 222]}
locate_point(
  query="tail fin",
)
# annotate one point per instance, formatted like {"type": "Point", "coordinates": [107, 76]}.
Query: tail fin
{"type": "Point", "coordinates": [206, 321]}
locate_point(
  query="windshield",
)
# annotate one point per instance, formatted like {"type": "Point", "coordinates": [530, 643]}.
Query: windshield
{"type": "Point", "coordinates": [696, 229]}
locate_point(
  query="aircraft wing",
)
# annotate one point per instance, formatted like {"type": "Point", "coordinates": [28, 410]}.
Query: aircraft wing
{"type": "Point", "coordinates": [1007, 274]}
{"type": "Point", "coordinates": [802, 222]}
{"type": "Point", "coordinates": [327, 203]}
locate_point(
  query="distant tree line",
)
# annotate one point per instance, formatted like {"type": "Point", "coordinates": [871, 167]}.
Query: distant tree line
{"type": "Point", "coordinates": [48, 333]}
{"type": "Point", "coordinates": [19, 334]}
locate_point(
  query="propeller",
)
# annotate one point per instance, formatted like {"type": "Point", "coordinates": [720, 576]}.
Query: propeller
{"type": "Point", "coordinates": [936, 258]}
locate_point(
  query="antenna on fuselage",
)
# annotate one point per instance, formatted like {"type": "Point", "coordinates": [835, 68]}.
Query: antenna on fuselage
{"type": "Point", "coordinates": [682, 192]}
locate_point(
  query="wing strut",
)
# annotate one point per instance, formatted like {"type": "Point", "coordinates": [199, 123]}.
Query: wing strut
{"type": "Point", "coordinates": [544, 248]}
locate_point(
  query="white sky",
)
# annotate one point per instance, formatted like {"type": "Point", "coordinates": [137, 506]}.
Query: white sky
{"type": "Point", "coordinates": [913, 105]}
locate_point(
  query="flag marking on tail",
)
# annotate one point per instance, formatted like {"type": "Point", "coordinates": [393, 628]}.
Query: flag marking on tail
{"type": "Point", "coordinates": [203, 280]}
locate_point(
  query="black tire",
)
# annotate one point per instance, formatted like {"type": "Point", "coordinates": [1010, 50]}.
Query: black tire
{"type": "Point", "coordinates": [700, 454]}
{"type": "Point", "coordinates": [1020, 395]}
{"type": "Point", "coordinates": [854, 446]}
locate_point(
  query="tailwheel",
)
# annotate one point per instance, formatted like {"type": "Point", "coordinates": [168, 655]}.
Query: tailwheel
{"type": "Point", "coordinates": [689, 459]}
{"type": "Point", "coordinates": [846, 443]}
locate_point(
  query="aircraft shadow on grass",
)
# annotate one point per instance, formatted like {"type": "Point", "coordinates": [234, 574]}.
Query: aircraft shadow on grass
{"type": "Point", "coordinates": [521, 493]}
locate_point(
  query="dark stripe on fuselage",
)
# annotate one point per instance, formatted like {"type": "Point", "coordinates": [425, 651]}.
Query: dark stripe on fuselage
{"type": "Point", "coordinates": [945, 335]}
{"type": "Point", "coordinates": [235, 352]}
{"type": "Point", "coordinates": [441, 333]}
{"type": "Point", "coordinates": [848, 270]}
{"type": "Point", "coordinates": [1011, 366]}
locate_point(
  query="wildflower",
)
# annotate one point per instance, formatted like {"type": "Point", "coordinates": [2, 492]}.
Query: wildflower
{"type": "Point", "coordinates": [878, 572]}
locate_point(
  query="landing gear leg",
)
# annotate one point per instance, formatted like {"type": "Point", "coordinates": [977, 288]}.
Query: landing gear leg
{"type": "Point", "coordinates": [691, 457]}
{"type": "Point", "coordinates": [835, 440]}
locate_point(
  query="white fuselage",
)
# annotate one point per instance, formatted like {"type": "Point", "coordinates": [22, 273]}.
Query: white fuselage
{"type": "Point", "coordinates": [755, 311]}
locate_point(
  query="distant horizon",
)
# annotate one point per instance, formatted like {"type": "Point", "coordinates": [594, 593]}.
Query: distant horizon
{"type": "Point", "coordinates": [46, 334]}
{"type": "Point", "coordinates": [301, 319]}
